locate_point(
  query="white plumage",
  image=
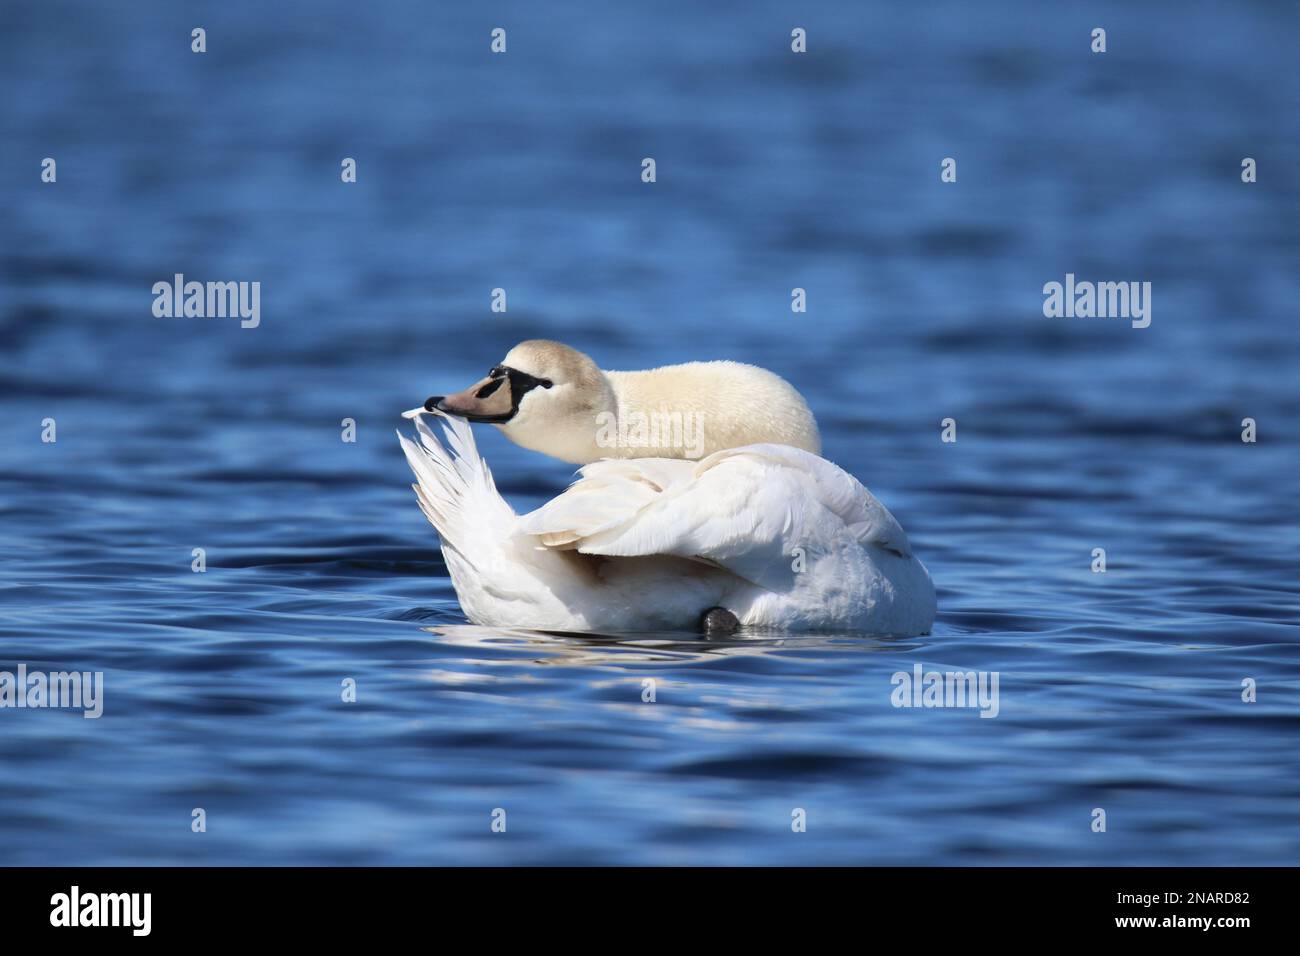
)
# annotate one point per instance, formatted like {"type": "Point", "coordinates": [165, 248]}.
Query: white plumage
{"type": "Point", "coordinates": [778, 536]}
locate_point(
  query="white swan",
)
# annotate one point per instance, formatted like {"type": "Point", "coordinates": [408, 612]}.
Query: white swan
{"type": "Point", "coordinates": [766, 535]}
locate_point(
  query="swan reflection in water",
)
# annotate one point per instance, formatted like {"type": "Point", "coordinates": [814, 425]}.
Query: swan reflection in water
{"type": "Point", "coordinates": [659, 647]}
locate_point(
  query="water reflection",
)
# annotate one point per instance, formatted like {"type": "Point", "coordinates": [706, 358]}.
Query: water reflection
{"type": "Point", "coordinates": [675, 647]}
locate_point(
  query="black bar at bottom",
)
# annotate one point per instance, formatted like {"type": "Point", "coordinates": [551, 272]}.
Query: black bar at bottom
{"type": "Point", "coordinates": [335, 906]}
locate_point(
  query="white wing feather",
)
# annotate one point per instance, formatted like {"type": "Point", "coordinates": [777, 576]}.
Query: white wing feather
{"type": "Point", "coordinates": [743, 509]}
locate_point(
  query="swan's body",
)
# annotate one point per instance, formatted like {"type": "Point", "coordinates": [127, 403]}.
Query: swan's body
{"type": "Point", "coordinates": [776, 535]}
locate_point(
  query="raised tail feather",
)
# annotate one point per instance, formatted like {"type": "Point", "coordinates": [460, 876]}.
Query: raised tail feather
{"type": "Point", "coordinates": [458, 496]}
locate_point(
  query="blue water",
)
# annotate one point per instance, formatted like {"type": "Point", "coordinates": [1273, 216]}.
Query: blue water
{"type": "Point", "coordinates": [1120, 691]}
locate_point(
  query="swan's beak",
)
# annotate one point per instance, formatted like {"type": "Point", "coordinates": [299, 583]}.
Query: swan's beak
{"type": "Point", "coordinates": [487, 400]}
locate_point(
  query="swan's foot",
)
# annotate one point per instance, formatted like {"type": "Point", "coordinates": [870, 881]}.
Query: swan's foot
{"type": "Point", "coordinates": [718, 621]}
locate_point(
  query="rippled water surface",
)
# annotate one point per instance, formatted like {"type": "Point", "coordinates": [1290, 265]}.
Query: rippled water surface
{"type": "Point", "coordinates": [1119, 691]}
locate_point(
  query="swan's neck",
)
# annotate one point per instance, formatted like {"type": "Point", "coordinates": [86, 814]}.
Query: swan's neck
{"type": "Point", "coordinates": [678, 411]}
{"type": "Point", "coordinates": [657, 414]}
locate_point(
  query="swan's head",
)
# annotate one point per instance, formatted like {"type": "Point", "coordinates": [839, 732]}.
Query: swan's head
{"type": "Point", "coordinates": [543, 395]}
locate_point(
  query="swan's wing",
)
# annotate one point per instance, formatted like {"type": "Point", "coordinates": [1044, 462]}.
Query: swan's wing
{"type": "Point", "coordinates": [608, 495]}
{"type": "Point", "coordinates": [866, 518]}
{"type": "Point", "coordinates": [744, 510]}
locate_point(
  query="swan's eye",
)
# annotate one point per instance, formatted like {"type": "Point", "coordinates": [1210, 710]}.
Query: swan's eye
{"type": "Point", "coordinates": [545, 382]}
